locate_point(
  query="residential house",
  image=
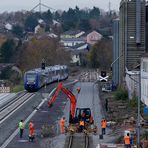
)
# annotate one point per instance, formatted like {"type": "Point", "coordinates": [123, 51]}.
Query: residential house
{"type": "Point", "coordinates": [93, 37]}
{"type": "Point", "coordinates": [39, 29]}
{"type": "Point", "coordinates": [75, 41]}
{"type": "Point", "coordinates": [8, 26]}
{"type": "Point", "coordinates": [75, 58]}
{"type": "Point", "coordinates": [70, 42]}
{"type": "Point", "coordinates": [72, 34]}
{"type": "Point", "coordinates": [56, 23]}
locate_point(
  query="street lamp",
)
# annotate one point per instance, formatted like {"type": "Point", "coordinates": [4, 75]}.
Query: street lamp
{"type": "Point", "coordinates": [115, 71]}
{"type": "Point", "coordinates": [139, 98]}
{"type": "Point", "coordinates": [115, 60]}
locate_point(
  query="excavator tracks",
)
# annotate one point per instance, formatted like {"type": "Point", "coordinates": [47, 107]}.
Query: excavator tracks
{"type": "Point", "coordinates": [78, 141]}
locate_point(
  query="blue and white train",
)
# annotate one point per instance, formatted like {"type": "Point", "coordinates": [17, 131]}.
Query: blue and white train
{"type": "Point", "coordinates": [36, 78]}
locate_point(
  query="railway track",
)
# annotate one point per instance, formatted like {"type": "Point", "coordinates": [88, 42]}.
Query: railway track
{"type": "Point", "coordinates": [13, 105]}
{"type": "Point", "coordinates": [89, 76]}
{"type": "Point", "coordinates": [81, 141]}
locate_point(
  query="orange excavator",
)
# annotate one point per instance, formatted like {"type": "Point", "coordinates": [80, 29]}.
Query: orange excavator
{"type": "Point", "coordinates": [76, 114]}
{"type": "Point", "coordinates": [71, 97]}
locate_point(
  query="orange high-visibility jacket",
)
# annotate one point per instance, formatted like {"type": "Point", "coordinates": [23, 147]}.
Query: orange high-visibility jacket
{"type": "Point", "coordinates": [126, 139]}
{"type": "Point", "coordinates": [32, 131]}
{"type": "Point", "coordinates": [30, 125]}
{"type": "Point", "coordinates": [81, 123]}
{"type": "Point", "coordinates": [62, 122]}
{"type": "Point", "coordinates": [103, 123]}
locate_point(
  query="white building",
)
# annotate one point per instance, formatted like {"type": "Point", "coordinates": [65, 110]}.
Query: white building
{"type": "Point", "coordinates": [144, 80]}
{"type": "Point", "coordinates": [132, 83]}
{"type": "Point", "coordinates": [70, 42]}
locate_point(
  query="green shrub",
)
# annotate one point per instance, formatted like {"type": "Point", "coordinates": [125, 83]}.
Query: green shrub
{"type": "Point", "coordinates": [121, 94]}
{"type": "Point", "coordinates": [18, 87]}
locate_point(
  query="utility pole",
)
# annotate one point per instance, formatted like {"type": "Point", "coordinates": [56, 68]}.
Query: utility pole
{"type": "Point", "coordinates": [139, 98]}
{"type": "Point", "coordinates": [138, 42]}
{"type": "Point", "coordinates": [40, 4]}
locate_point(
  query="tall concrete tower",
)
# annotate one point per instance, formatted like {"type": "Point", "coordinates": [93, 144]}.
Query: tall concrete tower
{"type": "Point", "coordinates": [132, 34]}
{"type": "Point", "coordinates": [116, 56]}
{"type": "Point", "coordinates": [146, 36]}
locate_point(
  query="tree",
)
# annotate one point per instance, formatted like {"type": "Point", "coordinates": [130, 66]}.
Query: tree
{"type": "Point", "coordinates": [84, 25]}
{"type": "Point", "coordinates": [47, 16]}
{"type": "Point", "coordinates": [17, 30]}
{"type": "Point", "coordinates": [95, 13]}
{"type": "Point", "coordinates": [57, 16]}
{"type": "Point", "coordinates": [33, 52]}
{"type": "Point", "coordinates": [100, 55]}
{"type": "Point", "coordinates": [94, 62]}
{"type": "Point", "coordinates": [30, 23]}
{"type": "Point", "coordinates": [70, 19]}
{"type": "Point", "coordinates": [95, 24]}
{"type": "Point", "coordinates": [7, 51]}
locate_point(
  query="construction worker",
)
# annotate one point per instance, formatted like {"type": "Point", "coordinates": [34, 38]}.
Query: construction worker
{"type": "Point", "coordinates": [78, 89]}
{"type": "Point", "coordinates": [31, 131]}
{"type": "Point", "coordinates": [106, 104]}
{"type": "Point", "coordinates": [62, 125]}
{"type": "Point", "coordinates": [103, 126]}
{"type": "Point", "coordinates": [127, 141]}
{"type": "Point", "coordinates": [81, 125]}
{"type": "Point", "coordinates": [21, 127]}
{"type": "Point", "coordinates": [91, 120]}
{"type": "Point", "coordinates": [83, 116]}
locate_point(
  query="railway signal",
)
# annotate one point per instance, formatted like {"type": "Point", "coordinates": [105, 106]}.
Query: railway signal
{"type": "Point", "coordinates": [43, 65]}
{"type": "Point", "coordinates": [103, 77]}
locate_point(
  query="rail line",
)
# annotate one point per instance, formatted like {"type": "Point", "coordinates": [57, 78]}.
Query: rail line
{"type": "Point", "coordinates": [9, 108]}
{"type": "Point", "coordinates": [74, 142]}
{"type": "Point", "coordinates": [11, 102]}
{"type": "Point", "coordinates": [88, 76]}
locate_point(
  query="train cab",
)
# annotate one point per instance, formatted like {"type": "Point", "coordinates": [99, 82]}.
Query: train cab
{"type": "Point", "coordinates": [30, 80]}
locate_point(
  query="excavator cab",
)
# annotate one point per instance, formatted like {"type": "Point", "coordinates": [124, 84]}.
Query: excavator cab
{"type": "Point", "coordinates": [82, 113]}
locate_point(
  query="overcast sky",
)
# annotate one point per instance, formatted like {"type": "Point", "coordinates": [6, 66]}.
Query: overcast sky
{"type": "Point", "coordinates": [14, 5]}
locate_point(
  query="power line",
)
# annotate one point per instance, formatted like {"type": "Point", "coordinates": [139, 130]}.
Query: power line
{"type": "Point", "coordinates": [40, 5]}
{"type": "Point", "coordinates": [109, 6]}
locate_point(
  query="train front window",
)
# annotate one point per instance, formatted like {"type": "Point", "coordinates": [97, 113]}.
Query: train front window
{"type": "Point", "coordinates": [31, 77]}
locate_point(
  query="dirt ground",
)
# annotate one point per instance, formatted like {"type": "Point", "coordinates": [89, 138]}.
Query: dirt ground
{"type": "Point", "coordinates": [118, 113]}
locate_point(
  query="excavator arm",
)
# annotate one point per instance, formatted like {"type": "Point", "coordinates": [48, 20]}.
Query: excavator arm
{"type": "Point", "coordinates": [69, 94]}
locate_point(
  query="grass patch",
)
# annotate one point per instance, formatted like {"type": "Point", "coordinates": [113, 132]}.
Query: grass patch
{"type": "Point", "coordinates": [18, 88]}
{"type": "Point", "coordinates": [133, 103]}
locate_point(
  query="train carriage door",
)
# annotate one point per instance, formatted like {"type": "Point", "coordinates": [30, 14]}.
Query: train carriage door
{"type": "Point", "coordinates": [66, 72]}
{"type": "Point", "coordinates": [62, 73]}
{"type": "Point", "coordinates": [54, 74]}
{"type": "Point", "coordinates": [50, 76]}
{"type": "Point", "coordinates": [58, 74]}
